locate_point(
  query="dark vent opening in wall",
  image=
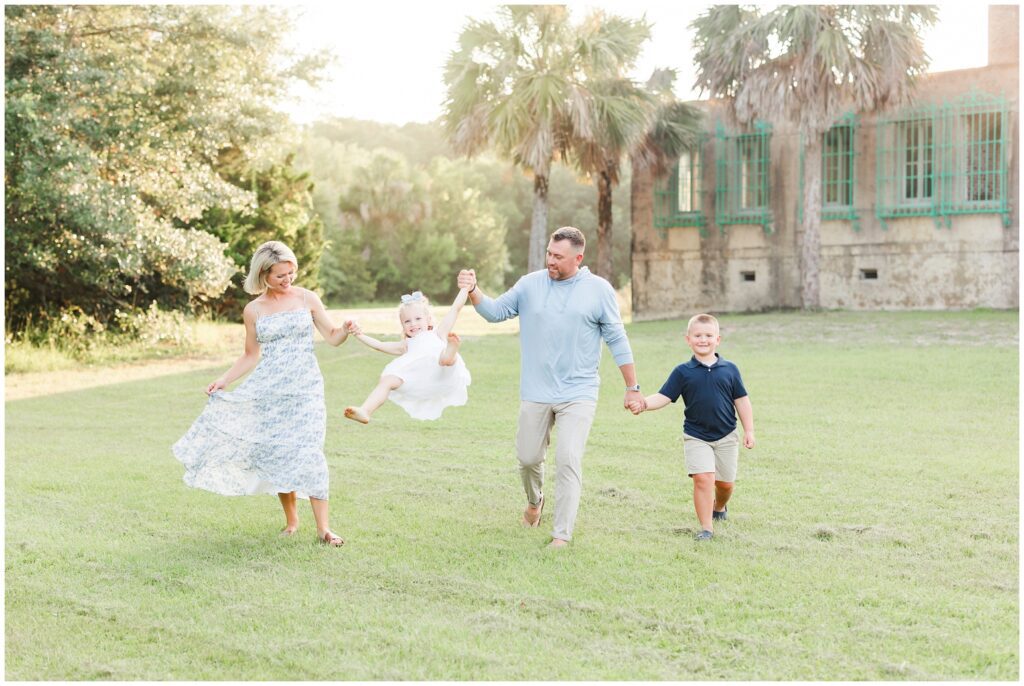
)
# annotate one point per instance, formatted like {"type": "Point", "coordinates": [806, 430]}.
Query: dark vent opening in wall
{"type": "Point", "coordinates": [749, 276]}
{"type": "Point", "coordinates": [869, 274]}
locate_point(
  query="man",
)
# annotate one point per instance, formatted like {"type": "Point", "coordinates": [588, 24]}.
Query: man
{"type": "Point", "coordinates": [564, 312]}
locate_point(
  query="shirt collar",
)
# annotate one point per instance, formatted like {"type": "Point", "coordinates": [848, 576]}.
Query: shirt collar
{"type": "Point", "coordinates": [694, 362]}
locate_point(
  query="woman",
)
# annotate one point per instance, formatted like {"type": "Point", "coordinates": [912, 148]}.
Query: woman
{"type": "Point", "coordinates": [267, 436]}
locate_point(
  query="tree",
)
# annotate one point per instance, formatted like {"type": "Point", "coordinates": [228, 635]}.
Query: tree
{"type": "Point", "coordinates": [405, 228]}
{"type": "Point", "coordinates": [674, 129]}
{"type": "Point", "coordinates": [804, 64]}
{"type": "Point", "coordinates": [283, 211]}
{"type": "Point", "coordinates": [620, 112]}
{"type": "Point", "coordinates": [518, 85]}
{"type": "Point", "coordinates": [116, 119]}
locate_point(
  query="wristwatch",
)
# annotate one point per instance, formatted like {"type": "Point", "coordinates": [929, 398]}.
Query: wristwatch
{"type": "Point", "coordinates": [634, 387]}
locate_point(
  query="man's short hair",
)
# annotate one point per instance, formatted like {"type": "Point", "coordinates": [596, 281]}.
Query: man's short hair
{"type": "Point", "coordinates": [702, 319]}
{"type": "Point", "coordinates": [571, 234]}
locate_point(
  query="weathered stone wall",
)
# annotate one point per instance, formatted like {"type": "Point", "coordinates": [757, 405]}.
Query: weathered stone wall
{"type": "Point", "coordinates": [917, 263]}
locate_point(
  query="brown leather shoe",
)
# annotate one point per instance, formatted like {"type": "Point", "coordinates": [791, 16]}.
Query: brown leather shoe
{"type": "Point", "coordinates": [532, 519]}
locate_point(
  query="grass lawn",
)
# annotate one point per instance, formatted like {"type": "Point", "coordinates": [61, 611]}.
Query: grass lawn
{"type": "Point", "coordinates": [873, 534]}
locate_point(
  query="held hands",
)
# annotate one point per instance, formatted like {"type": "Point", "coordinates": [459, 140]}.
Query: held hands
{"type": "Point", "coordinates": [218, 385]}
{"type": "Point", "coordinates": [467, 279]}
{"type": "Point", "coordinates": [635, 402]}
{"type": "Point", "coordinates": [352, 327]}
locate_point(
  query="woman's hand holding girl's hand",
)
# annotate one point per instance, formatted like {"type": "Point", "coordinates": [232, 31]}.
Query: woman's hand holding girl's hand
{"type": "Point", "coordinates": [218, 385]}
{"type": "Point", "coordinates": [352, 327]}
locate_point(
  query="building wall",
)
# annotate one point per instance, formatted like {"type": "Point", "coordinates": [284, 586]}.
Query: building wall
{"type": "Point", "coordinates": [917, 263]}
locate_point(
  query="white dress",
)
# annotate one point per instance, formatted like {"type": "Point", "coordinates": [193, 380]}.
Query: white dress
{"type": "Point", "coordinates": [266, 436]}
{"type": "Point", "coordinates": [427, 387]}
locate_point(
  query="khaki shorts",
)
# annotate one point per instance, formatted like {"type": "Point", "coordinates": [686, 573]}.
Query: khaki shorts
{"type": "Point", "coordinates": [720, 457]}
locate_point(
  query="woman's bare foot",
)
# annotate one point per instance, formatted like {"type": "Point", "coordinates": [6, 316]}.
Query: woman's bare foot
{"type": "Point", "coordinates": [331, 539]}
{"type": "Point", "coordinates": [447, 358]}
{"type": "Point", "coordinates": [357, 414]}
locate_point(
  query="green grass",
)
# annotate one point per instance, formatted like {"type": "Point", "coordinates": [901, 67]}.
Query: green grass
{"type": "Point", "coordinates": [873, 534]}
{"type": "Point", "coordinates": [199, 338]}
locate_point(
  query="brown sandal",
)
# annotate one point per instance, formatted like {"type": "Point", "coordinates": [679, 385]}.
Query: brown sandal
{"type": "Point", "coordinates": [331, 539]}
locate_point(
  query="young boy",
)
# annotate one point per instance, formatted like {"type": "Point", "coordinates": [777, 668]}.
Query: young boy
{"type": "Point", "coordinates": [714, 394]}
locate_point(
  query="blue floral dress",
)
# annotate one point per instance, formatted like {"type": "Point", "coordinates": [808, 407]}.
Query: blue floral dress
{"type": "Point", "coordinates": [266, 436]}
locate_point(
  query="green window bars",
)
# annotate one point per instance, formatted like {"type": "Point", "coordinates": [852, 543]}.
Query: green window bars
{"type": "Point", "coordinates": [837, 167]}
{"type": "Point", "coordinates": [677, 199]}
{"type": "Point", "coordinates": [742, 166]}
{"type": "Point", "coordinates": [906, 164]}
{"type": "Point", "coordinates": [837, 173]}
{"type": "Point", "coordinates": [942, 160]}
{"type": "Point", "coordinates": [974, 156]}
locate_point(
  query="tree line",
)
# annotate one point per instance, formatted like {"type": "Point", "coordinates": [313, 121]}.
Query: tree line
{"type": "Point", "coordinates": [146, 155]}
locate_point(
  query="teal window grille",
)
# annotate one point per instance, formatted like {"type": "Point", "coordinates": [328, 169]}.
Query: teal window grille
{"type": "Point", "coordinates": [837, 167]}
{"type": "Point", "coordinates": [974, 157]}
{"type": "Point", "coordinates": [838, 171]}
{"type": "Point", "coordinates": [677, 198]}
{"type": "Point", "coordinates": [742, 188]}
{"type": "Point", "coordinates": [943, 160]}
{"type": "Point", "coordinates": [906, 164]}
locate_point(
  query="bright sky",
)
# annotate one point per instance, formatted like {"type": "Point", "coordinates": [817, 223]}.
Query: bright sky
{"type": "Point", "coordinates": [391, 55]}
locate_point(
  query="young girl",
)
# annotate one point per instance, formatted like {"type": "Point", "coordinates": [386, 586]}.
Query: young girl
{"type": "Point", "coordinates": [267, 436]}
{"type": "Point", "coordinates": [429, 375]}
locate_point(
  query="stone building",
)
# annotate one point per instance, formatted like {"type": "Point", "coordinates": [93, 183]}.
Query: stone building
{"type": "Point", "coordinates": [920, 205]}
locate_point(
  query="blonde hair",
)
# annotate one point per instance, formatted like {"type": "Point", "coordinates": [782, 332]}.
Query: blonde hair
{"type": "Point", "coordinates": [421, 301]}
{"type": "Point", "coordinates": [702, 319]}
{"type": "Point", "coordinates": [265, 257]}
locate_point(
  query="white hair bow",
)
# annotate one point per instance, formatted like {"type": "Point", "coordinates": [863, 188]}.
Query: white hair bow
{"type": "Point", "coordinates": [412, 297]}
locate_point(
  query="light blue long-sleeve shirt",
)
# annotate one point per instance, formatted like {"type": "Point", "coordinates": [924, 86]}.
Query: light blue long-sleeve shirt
{"type": "Point", "coordinates": [561, 324]}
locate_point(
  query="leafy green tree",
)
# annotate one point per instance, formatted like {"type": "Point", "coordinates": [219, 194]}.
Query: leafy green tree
{"type": "Point", "coordinates": [405, 228]}
{"type": "Point", "coordinates": [418, 143]}
{"type": "Point", "coordinates": [116, 118]}
{"type": "Point", "coordinates": [284, 211]}
{"type": "Point", "coordinates": [805, 64]}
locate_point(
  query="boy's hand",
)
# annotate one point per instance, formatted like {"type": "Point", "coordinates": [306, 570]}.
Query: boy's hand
{"type": "Point", "coordinates": [748, 440]}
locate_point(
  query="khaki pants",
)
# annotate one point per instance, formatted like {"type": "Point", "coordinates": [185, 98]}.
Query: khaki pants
{"type": "Point", "coordinates": [572, 422]}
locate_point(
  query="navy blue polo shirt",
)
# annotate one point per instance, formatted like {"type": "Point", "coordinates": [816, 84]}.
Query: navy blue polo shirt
{"type": "Point", "coordinates": [708, 393]}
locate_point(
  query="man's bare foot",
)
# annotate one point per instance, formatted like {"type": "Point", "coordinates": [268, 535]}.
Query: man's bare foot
{"type": "Point", "coordinates": [557, 543]}
{"type": "Point", "coordinates": [357, 414]}
{"type": "Point", "coordinates": [531, 515]}
{"type": "Point", "coordinates": [289, 530]}
{"type": "Point", "coordinates": [447, 358]}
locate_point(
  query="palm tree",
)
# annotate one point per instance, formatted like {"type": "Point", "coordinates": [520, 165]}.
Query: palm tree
{"type": "Point", "coordinates": [522, 85]}
{"type": "Point", "coordinates": [804, 64]}
{"type": "Point", "coordinates": [674, 128]}
{"type": "Point", "coordinates": [620, 113]}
